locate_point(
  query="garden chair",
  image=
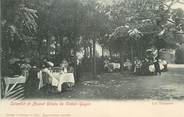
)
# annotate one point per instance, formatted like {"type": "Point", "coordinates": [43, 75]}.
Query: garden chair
{"type": "Point", "coordinates": [14, 87]}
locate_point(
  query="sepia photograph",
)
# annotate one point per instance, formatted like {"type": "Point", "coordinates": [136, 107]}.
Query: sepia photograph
{"type": "Point", "coordinates": [122, 50]}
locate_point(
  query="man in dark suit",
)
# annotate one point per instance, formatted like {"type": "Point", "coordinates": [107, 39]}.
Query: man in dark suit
{"type": "Point", "coordinates": [157, 65]}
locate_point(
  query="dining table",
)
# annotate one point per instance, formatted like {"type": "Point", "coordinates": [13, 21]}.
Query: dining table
{"type": "Point", "coordinates": [56, 78]}
{"type": "Point", "coordinates": [60, 78]}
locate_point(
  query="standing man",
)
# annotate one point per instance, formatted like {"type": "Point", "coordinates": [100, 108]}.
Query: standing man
{"type": "Point", "coordinates": [157, 65]}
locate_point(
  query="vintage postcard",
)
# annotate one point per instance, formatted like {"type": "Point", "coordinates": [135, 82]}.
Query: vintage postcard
{"type": "Point", "coordinates": [99, 58]}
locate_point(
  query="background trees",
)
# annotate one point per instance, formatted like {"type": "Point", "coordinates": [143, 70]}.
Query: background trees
{"type": "Point", "coordinates": [59, 29]}
{"type": "Point", "coordinates": [19, 25]}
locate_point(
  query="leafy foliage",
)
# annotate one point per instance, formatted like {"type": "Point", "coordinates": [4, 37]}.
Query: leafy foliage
{"type": "Point", "coordinates": [75, 24]}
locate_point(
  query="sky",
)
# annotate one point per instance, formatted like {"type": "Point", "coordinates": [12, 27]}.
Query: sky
{"type": "Point", "coordinates": [178, 5]}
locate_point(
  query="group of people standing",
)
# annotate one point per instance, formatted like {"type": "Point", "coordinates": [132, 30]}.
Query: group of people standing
{"type": "Point", "coordinates": [151, 63]}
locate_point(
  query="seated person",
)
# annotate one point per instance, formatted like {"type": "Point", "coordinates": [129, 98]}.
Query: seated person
{"type": "Point", "coordinates": [32, 81]}
{"type": "Point", "coordinates": [127, 65]}
{"type": "Point", "coordinates": [137, 64]}
{"type": "Point", "coordinates": [64, 65]}
{"type": "Point", "coordinates": [47, 75]}
{"type": "Point", "coordinates": [70, 69]}
{"type": "Point", "coordinates": [25, 68]}
{"type": "Point", "coordinates": [47, 78]}
{"type": "Point", "coordinates": [106, 62]}
{"type": "Point", "coordinates": [15, 68]}
{"type": "Point", "coordinates": [107, 66]}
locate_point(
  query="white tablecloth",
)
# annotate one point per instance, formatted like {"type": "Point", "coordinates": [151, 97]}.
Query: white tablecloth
{"type": "Point", "coordinates": [152, 67]}
{"type": "Point", "coordinates": [115, 65]}
{"type": "Point", "coordinates": [59, 79]}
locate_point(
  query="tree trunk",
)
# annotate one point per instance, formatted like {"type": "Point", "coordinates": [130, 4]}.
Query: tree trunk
{"type": "Point", "coordinates": [110, 52]}
{"type": "Point", "coordinates": [40, 46]}
{"type": "Point", "coordinates": [94, 57]}
{"type": "Point", "coordinates": [122, 58]}
{"type": "Point", "coordinates": [103, 52]}
{"type": "Point", "coordinates": [141, 52]}
{"type": "Point", "coordinates": [75, 64]}
{"type": "Point", "coordinates": [91, 58]}
{"type": "Point", "coordinates": [132, 53]}
{"type": "Point", "coordinates": [85, 52]}
{"type": "Point", "coordinates": [0, 59]}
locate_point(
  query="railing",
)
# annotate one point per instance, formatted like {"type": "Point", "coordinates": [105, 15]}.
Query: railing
{"type": "Point", "coordinates": [13, 88]}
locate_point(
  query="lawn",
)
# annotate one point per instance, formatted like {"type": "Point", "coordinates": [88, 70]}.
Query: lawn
{"type": "Point", "coordinates": [115, 86]}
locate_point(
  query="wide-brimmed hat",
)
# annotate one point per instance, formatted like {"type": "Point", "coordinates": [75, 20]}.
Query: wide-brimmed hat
{"type": "Point", "coordinates": [149, 50]}
{"type": "Point", "coordinates": [50, 64]}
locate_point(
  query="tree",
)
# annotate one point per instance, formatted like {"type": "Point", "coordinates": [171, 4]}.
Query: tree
{"type": "Point", "coordinates": [20, 24]}
{"type": "Point", "coordinates": [19, 28]}
{"type": "Point", "coordinates": [93, 28]}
